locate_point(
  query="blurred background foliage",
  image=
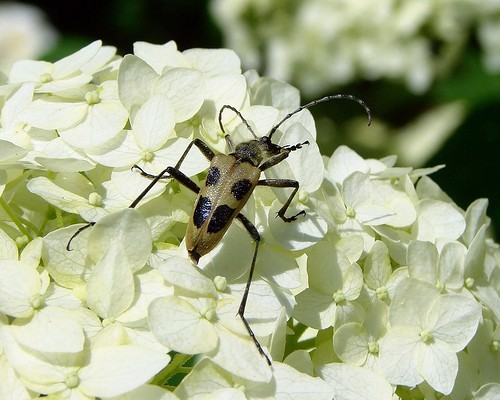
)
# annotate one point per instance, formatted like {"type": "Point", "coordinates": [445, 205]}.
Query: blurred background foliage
{"type": "Point", "coordinates": [454, 120]}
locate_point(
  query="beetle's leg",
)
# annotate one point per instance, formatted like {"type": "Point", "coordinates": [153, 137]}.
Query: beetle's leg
{"type": "Point", "coordinates": [174, 172]}
{"type": "Point", "coordinates": [169, 172]}
{"type": "Point", "coordinates": [252, 231]}
{"type": "Point", "coordinates": [284, 183]}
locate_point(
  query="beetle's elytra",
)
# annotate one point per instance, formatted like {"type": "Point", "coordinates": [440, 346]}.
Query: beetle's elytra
{"type": "Point", "coordinates": [229, 183]}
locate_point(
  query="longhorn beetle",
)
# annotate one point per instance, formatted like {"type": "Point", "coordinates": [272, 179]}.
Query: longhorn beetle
{"type": "Point", "coordinates": [229, 183]}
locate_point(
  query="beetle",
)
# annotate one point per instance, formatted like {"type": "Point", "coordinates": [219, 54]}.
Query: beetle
{"type": "Point", "coordinates": [228, 185]}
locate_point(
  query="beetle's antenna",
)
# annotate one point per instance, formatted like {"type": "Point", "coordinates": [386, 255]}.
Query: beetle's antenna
{"type": "Point", "coordinates": [322, 100]}
{"type": "Point", "coordinates": [239, 115]}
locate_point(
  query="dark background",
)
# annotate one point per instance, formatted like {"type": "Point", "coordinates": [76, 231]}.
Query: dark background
{"type": "Point", "coordinates": [471, 155]}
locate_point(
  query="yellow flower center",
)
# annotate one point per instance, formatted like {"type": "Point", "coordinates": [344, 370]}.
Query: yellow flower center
{"type": "Point", "coordinates": [147, 155]}
{"type": "Point", "coordinates": [72, 381]}
{"type": "Point", "coordinates": [220, 283]}
{"type": "Point", "coordinates": [426, 336]}
{"type": "Point", "coordinates": [92, 97]}
{"type": "Point", "coordinates": [350, 212]}
{"type": "Point", "coordinates": [373, 348]}
{"type": "Point", "coordinates": [95, 199]}
{"type": "Point", "coordinates": [46, 78]}
{"type": "Point", "coordinates": [382, 293]}
{"type": "Point", "coordinates": [338, 297]}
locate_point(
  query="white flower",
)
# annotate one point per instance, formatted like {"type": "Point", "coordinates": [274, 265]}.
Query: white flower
{"type": "Point", "coordinates": [426, 331]}
{"type": "Point", "coordinates": [334, 283]}
{"type": "Point", "coordinates": [358, 344]}
{"type": "Point", "coordinates": [89, 119]}
{"type": "Point", "coordinates": [151, 143]}
{"type": "Point", "coordinates": [206, 323]}
{"type": "Point", "coordinates": [62, 75]}
{"type": "Point", "coordinates": [84, 375]}
{"type": "Point", "coordinates": [73, 193]}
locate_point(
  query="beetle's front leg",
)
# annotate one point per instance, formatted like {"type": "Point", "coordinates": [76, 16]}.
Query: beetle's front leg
{"type": "Point", "coordinates": [175, 172]}
{"type": "Point", "coordinates": [284, 183]}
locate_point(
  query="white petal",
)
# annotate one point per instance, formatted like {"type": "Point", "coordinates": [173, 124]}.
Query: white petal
{"type": "Point", "coordinates": [438, 365]}
{"type": "Point", "coordinates": [179, 325]}
{"type": "Point", "coordinates": [68, 268]}
{"type": "Point", "coordinates": [214, 61]}
{"type": "Point", "coordinates": [314, 309]}
{"type": "Point", "coordinates": [37, 374]}
{"type": "Point", "coordinates": [294, 385]}
{"type": "Point", "coordinates": [451, 265]}
{"type": "Point", "coordinates": [127, 228]}
{"type": "Point", "coordinates": [58, 156]}
{"type": "Point", "coordinates": [300, 234]}
{"type": "Point", "coordinates": [64, 199]}
{"type": "Point", "coordinates": [226, 89]}
{"type": "Point", "coordinates": [354, 383]}
{"type": "Point", "coordinates": [350, 342]}
{"type": "Point", "coordinates": [377, 268]}
{"type": "Point", "coordinates": [49, 115]}
{"type": "Point", "coordinates": [399, 355]}
{"type": "Point", "coordinates": [343, 163]}
{"type": "Point", "coordinates": [454, 319]}
{"type": "Point", "coordinates": [121, 151]}
{"type": "Point", "coordinates": [19, 285]}
{"type": "Point", "coordinates": [69, 64]}
{"type": "Point", "coordinates": [52, 330]}
{"type": "Point", "coordinates": [438, 220]}
{"type": "Point", "coordinates": [131, 367]}
{"type": "Point", "coordinates": [240, 357]}
{"type": "Point", "coordinates": [185, 88]}
{"type": "Point", "coordinates": [110, 288]}
{"type": "Point", "coordinates": [135, 82]}
{"type": "Point", "coordinates": [160, 55]}
{"type": "Point", "coordinates": [402, 208]}
{"type": "Point", "coordinates": [423, 261]}
{"type": "Point", "coordinates": [8, 248]}
{"type": "Point", "coordinates": [411, 302]}
{"type": "Point", "coordinates": [154, 122]}
{"type": "Point", "coordinates": [102, 122]}
{"type": "Point", "coordinates": [353, 282]}
{"type": "Point", "coordinates": [181, 273]}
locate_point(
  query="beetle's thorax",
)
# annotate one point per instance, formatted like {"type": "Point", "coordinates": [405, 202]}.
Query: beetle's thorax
{"type": "Point", "coordinates": [255, 151]}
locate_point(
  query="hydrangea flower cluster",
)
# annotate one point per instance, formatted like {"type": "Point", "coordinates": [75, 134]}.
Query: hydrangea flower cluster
{"type": "Point", "coordinates": [385, 289]}
{"type": "Point", "coordinates": [316, 42]}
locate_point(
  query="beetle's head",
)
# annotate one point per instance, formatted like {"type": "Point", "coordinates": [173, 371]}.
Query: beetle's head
{"type": "Point", "coordinates": [255, 151]}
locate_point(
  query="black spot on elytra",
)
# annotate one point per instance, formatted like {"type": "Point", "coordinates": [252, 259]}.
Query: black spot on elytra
{"type": "Point", "coordinates": [213, 176]}
{"type": "Point", "coordinates": [221, 216]}
{"type": "Point", "coordinates": [241, 188]}
{"type": "Point", "coordinates": [201, 211]}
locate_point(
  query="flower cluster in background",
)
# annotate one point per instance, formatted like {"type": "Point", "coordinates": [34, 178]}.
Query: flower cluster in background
{"type": "Point", "coordinates": [24, 33]}
{"type": "Point", "coordinates": [317, 43]}
{"type": "Point", "coordinates": [385, 289]}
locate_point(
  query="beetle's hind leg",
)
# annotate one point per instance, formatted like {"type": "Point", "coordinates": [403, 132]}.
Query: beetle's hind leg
{"type": "Point", "coordinates": [252, 231]}
{"type": "Point", "coordinates": [284, 183]}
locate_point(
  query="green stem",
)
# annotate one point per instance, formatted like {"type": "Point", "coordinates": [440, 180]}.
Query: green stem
{"type": "Point", "coordinates": [171, 369]}
{"type": "Point", "coordinates": [15, 219]}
